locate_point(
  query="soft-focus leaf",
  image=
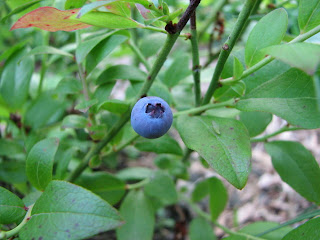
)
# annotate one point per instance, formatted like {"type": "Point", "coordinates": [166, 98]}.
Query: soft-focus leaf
{"type": "Point", "coordinates": [47, 50]}
{"type": "Point", "coordinates": [297, 167]}
{"type": "Point", "coordinates": [115, 106]}
{"type": "Point", "coordinates": [107, 186]}
{"type": "Point", "coordinates": [237, 68]}
{"type": "Point", "coordinates": [69, 86]}
{"type": "Point", "coordinates": [162, 188]}
{"type": "Point", "coordinates": [201, 229]}
{"type": "Point", "coordinates": [11, 148]}
{"type": "Point", "coordinates": [290, 96]}
{"type": "Point", "coordinates": [125, 72]}
{"type": "Point", "coordinates": [20, 9]}
{"type": "Point", "coordinates": [228, 153]}
{"type": "Point", "coordinates": [13, 172]}
{"type": "Point", "coordinates": [309, 14]}
{"type": "Point", "coordinates": [227, 92]}
{"type": "Point", "coordinates": [138, 214]}
{"type": "Point", "coordinates": [70, 4]}
{"type": "Point", "coordinates": [255, 122]}
{"type": "Point", "coordinates": [39, 163]}
{"type": "Point", "coordinates": [11, 207]}
{"type": "Point", "coordinates": [308, 230]}
{"type": "Point", "coordinates": [86, 46]}
{"type": "Point", "coordinates": [218, 197]}
{"type": "Point", "coordinates": [134, 173]}
{"type": "Point", "coordinates": [50, 19]}
{"type": "Point", "coordinates": [74, 121]}
{"type": "Point", "coordinates": [103, 49]}
{"type": "Point", "coordinates": [15, 79]}
{"type": "Point", "coordinates": [151, 44]}
{"type": "Point", "coordinates": [164, 144]}
{"type": "Point", "coordinates": [76, 212]}
{"type": "Point", "coordinates": [270, 30]}
{"type": "Point", "coordinates": [305, 56]}
{"type": "Point", "coordinates": [178, 70]}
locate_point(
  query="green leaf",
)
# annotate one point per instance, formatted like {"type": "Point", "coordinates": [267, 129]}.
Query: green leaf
{"type": "Point", "coordinates": [107, 20]}
{"type": "Point", "coordinates": [308, 230]}
{"type": "Point", "coordinates": [237, 68]}
{"type": "Point", "coordinates": [69, 86]}
{"type": "Point", "coordinates": [217, 192]}
{"type": "Point", "coordinates": [255, 122]}
{"type": "Point", "coordinates": [290, 96]}
{"type": "Point", "coordinates": [162, 188]}
{"type": "Point", "coordinates": [44, 110]}
{"type": "Point", "coordinates": [115, 106]}
{"type": "Point", "coordinates": [201, 229]}
{"type": "Point", "coordinates": [218, 197]}
{"type": "Point", "coordinates": [85, 47]}
{"type": "Point", "coordinates": [228, 153]}
{"type": "Point", "coordinates": [309, 14]}
{"type": "Point", "coordinates": [107, 186]}
{"type": "Point", "coordinates": [103, 91]}
{"type": "Point", "coordinates": [74, 121]}
{"type": "Point", "coordinates": [63, 158]}
{"type": "Point", "coordinates": [178, 70]}
{"type": "Point", "coordinates": [151, 44]}
{"type": "Point", "coordinates": [227, 92]}
{"type": "Point", "coordinates": [85, 105]}
{"type": "Point", "coordinates": [39, 163]}
{"type": "Point", "coordinates": [11, 148]}
{"type": "Point", "coordinates": [134, 173]}
{"type": "Point", "coordinates": [125, 72]}
{"type": "Point", "coordinates": [164, 144]}
{"type": "Point", "coordinates": [305, 56]}
{"type": "Point", "coordinates": [13, 172]}
{"type": "Point", "coordinates": [103, 49]}
{"type": "Point", "coordinates": [11, 207]}
{"type": "Point", "coordinates": [297, 167]}
{"type": "Point", "coordinates": [20, 9]}
{"type": "Point", "coordinates": [8, 52]}
{"type": "Point", "coordinates": [70, 4]}
{"type": "Point", "coordinates": [46, 50]}
{"type": "Point", "coordinates": [270, 30]}
{"type": "Point", "coordinates": [15, 79]}
{"type": "Point", "coordinates": [76, 213]}
{"type": "Point", "coordinates": [258, 227]}
{"type": "Point", "coordinates": [138, 215]}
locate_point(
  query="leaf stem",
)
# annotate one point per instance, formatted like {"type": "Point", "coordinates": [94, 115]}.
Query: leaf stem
{"type": "Point", "coordinates": [207, 216]}
{"type": "Point", "coordinates": [44, 64]}
{"type": "Point", "coordinates": [227, 48]}
{"type": "Point", "coordinates": [138, 184]}
{"type": "Point", "coordinates": [15, 231]}
{"type": "Point", "coordinates": [81, 72]}
{"type": "Point", "coordinates": [281, 130]}
{"type": "Point", "coordinates": [156, 29]}
{"type": "Point", "coordinates": [196, 68]}
{"type": "Point", "coordinates": [269, 59]}
{"type": "Point", "coordinates": [139, 54]}
{"type": "Point", "coordinates": [203, 108]}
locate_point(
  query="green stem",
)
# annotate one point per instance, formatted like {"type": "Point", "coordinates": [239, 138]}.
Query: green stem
{"type": "Point", "coordinates": [139, 54]}
{"type": "Point", "coordinates": [212, 18]}
{"type": "Point", "coordinates": [186, 155]}
{"type": "Point", "coordinates": [81, 72]}
{"type": "Point", "coordinates": [44, 64]}
{"type": "Point", "coordinates": [207, 216]}
{"type": "Point", "coordinates": [122, 146]}
{"type": "Point", "coordinates": [269, 59]}
{"type": "Point", "coordinates": [95, 149]}
{"type": "Point", "coordinates": [281, 130]}
{"type": "Point", "coordinates": [138, 184]}
{"type": "Point", "coordinates": [196, 68]}
{"type": "Point", "coordinates": [227, 48]}
{"type": "Point", "coordinates": [203, 108]}
{"type": "Point", "coordinates": [15, 231]}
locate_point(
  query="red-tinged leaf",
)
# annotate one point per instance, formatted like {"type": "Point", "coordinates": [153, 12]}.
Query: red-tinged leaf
{"type": "Point", "coordinates": [50, 19]}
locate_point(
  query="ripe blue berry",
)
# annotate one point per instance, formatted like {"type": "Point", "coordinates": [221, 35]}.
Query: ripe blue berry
{"type": "Point", "coordinates": [151, 117]}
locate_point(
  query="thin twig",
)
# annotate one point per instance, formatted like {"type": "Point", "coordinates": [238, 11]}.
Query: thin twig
{"type": "Point", "coordinates": [227, 48]}
{"type": "Point", "coordinates": [281, 130]}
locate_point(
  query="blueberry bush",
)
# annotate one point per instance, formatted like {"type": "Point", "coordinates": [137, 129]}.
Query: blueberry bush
{"type": "Point", "coordinates": [197, 79]}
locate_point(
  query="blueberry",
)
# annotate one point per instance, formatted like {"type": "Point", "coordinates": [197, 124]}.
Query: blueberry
{"type": "Point", "coordinates": [151, 117]}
